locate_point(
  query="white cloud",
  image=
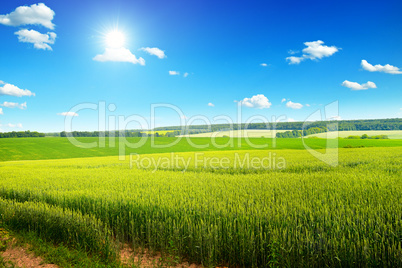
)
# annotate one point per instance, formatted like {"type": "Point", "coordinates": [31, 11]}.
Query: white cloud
{"type": "Point", "coordinates": [68, 114]}
{"type": "Point", "coordinates": [292, 52]}
{"type": "Point", "coordinates": [357, 86]}
{"type": "Point", "coordinates": [1, 111]}
{"type": "Point", "coordinates": [154, 51]}
{"type": "Point", "coordinates": [314, 50]}
{"type": "Point", "coordinates": [174, 73]}
{"type": "Point", "coordinates": [308, 105]}
{"type": "Point", "coordinates": [283, 100]}
{"type": "Point", "coordinates": [12, 90]}
{"type": "Point", "coordinates": [211, 104]}
{"type": "Point", "coordinates": [264, 64]}
{"type": "Point", "coordinates": [19, 125]}
{"type": "Point", "coordinates": [36, 14]}
{"type": "Point", "coordinates": [1, 82]}
{"type": "Point", "coordinates": [185, 74]}
{"type": "Point", "coordinates": [380, 68]}
{"type": "Point", "coordinates": [21, 106]}
{"type": "Point", "coordinates": [258, 101]}
{"type": "Point", "coordinates": [295, 60]}
{"type": "Point", "coordinates": [294, 105]}
{"type": "Point", "coordinates": [291, 120]}
{"type": "Point", "coordinates": [40, 41]}
{"type": "Point", "coordinates": [120, 55]}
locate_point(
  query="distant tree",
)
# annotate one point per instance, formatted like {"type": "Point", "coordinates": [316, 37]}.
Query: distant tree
{"type": "Point", "coordinates": [353, 137]}
{"type": "Point", "coordinates": [22, 134]}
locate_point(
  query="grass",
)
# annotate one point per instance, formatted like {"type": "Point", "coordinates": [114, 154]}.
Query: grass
{"type": "Point", "coordinates": [392, 134]}
{"type": "Point", "coordinates": [60, 254]}
{"type": "Point", "coordinates": [61, 225]}
{"type": "Point", "coordinates": [308, 214]}
{"type": "Point", "coordinates": [60, 148]}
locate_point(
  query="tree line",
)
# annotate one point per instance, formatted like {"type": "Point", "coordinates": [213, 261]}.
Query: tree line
{"type": "Point", "coordinates": [342, 125]}
{"type": "Point", "coordinates": [131, 133]}
{"type": "Point", "coordinates": [127, 133]}
{"type": "Point", "coordinates": [300, 133]}
{"type": "Point", "coordinates": [365, 136]}
{"type": "Point", "coordinates": [21, 134]}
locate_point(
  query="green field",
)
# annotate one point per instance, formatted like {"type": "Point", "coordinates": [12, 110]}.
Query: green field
{"type": "Point", "coordinates": [307, 214]}
{"type": "Point", "coordinates": [60, 148]}
{"type": "Point", "coordinates": [204, 205]}
{"type": "Point", "coordinates": [392, 134]}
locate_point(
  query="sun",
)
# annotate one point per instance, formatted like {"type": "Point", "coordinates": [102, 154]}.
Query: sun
{"type": "Point", "coordinates": [115, 39]}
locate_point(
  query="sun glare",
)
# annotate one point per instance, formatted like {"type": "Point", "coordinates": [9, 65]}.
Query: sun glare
{"type": "Point", "coordinates": [115, 39]}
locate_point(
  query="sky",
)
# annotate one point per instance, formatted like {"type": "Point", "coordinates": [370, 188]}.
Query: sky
{"type": "Point", "coordinates": [198, 61]}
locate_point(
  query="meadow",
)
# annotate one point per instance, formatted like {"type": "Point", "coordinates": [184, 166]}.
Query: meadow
{"type": "Point", "coordinates": [306, 214]}
{"type": "Point", "coordinates": [60, 148]}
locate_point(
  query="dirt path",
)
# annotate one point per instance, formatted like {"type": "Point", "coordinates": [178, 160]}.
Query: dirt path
{"type": "Point", "coordinates": [14, 255]}
{"type": "Point", "coordinates": [20, 257]}
{"type": "Point", "coordinates": [130, 258]}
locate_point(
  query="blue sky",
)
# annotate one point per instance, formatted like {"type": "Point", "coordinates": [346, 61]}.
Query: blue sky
{"type": "Point", "coordinates": [219, 44]}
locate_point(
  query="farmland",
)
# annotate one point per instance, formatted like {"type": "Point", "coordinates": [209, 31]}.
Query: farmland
{"type": "Point", "coordinates": [258, 133]}
{"type": "Point", "coordinates": [251, 133]}
{"type": "Point", "coordinates": [305, 213]}
{"type": "Point", "coordinates": [61, 148]}
{"type": "Point", "coordinates": [392, 134]}
{"type": "Point", "coordinates": [192, 134]}
{"type": "Point", "coordinates": [152, 132]}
